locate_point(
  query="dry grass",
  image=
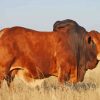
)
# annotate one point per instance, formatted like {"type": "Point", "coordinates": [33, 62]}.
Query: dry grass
{"type": "Point", "coordinates": [50, 89]}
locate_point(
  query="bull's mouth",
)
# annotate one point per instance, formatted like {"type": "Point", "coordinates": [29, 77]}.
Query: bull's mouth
{"type": "Point", "coordinates": [92, 64]}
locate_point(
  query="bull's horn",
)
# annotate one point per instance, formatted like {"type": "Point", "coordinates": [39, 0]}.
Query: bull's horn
{"type": "Point", "coordinates": [98, 56]}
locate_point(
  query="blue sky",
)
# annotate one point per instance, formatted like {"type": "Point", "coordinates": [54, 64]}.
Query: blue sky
{"type": "Point", "coordinates": [41, 14]}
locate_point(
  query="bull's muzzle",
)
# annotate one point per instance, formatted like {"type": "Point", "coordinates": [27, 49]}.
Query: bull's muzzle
{"type": "Point", "coordinates": [98, 56]}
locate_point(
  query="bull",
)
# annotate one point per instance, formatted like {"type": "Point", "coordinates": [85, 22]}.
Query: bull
{"type": "Point", "coordinates": [67, 52]}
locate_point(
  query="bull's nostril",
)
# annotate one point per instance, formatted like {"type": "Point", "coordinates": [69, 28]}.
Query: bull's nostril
{"type": "Point", "coordinates": [98, 56]}
{"type": "Point", "coordinates": [97, 62]}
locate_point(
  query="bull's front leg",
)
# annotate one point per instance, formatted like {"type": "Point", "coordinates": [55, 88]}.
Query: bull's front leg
{"type": "Point", "coordinates": [63, 73]}
{"type": "Point", "coordinates": [66, 63]}
{"type": "Point", "coordinates": [67, 73]}
{"type": "Point", "coordinates": [73, 74]}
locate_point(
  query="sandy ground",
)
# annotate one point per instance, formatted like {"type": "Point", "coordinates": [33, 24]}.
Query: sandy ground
{"type": "Point", "coordinates": [50, 89]}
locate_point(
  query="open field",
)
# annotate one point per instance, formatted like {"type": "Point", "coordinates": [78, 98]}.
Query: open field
{"type": "Point", "coordinates": [50, 89]}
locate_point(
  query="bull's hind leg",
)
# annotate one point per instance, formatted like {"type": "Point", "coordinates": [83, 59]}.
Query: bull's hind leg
{"type": "Point", "coordinates": [6, 60]}
{"type": "Point", "coordinates": [2, 74]}
{"type": "Point", "coordinates": [10, 76]}
{"type": "Point", "coordinates": [22, 68]}
{"type": "Point", "coordinates": [13, 71]}
{"type": "Point", "coordinates": [25, 76]}
{"type": "Point", "coordinates": [21, 73]}
{"type": "Point", "coordinates": [4, 71]}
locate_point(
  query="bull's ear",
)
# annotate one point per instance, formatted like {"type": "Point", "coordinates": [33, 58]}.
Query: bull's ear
{"type": "Point", "coordinates": [88, 38]}
{"type": "Point", "coordinates": [91, 42]}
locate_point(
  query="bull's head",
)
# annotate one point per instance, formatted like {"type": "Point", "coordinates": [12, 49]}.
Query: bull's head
{"type": "Point", "coordinates": [89, 59]}
{"type": "Point", "coordinates": [96, 38]}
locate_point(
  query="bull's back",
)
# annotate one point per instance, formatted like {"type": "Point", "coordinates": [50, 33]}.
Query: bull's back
{"type": "Point", "coordinates": [30, 48]}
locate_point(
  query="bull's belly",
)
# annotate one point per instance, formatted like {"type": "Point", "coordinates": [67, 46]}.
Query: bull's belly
{"type": "Point", "coordinates": [29, 80]}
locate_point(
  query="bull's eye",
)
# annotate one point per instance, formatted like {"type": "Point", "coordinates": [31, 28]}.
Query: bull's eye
{"type": "Point", "coordinates": [89, 40]}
